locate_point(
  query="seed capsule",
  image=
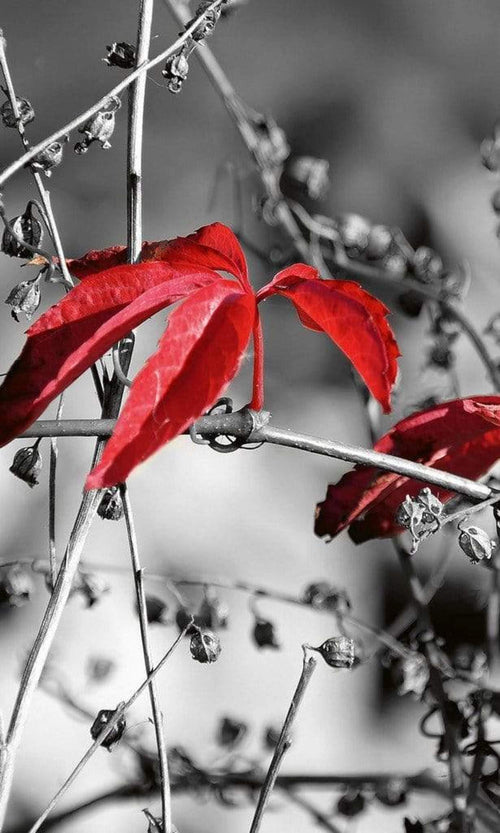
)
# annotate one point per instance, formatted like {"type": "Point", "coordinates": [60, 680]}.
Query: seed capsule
{"type": "Point", "coordinates": [310, 174]}
{"type": "Point", "coordinates": [213, 614]}
{"type": "Point", "coordinates": [431, 505]}
{"type": "Point", "coordinates": [25, 228]}
{"type": "Point", "coordinates": [27, 464]}
{"type": "Point", "coordinates": [207, 25]}
{"type": "Point", "coordinates": [176, 71]}
{"type": "Point", "coordinates": [393, 793]}
{"type": "Point", "coordinates": [120, 55]}
{"type": "Point", "coordinates": [351, 804]}
{"type": "Point", "coordinates": [427, 265]}
{"type": "Point", "coordinates": [264, 634]}
{"type": "Point", "coordinates": [99, 128]}
{"type": "Point", "coordinates": [101, 721]}
{"type": "Point", "coordinates": [231, 732]}
{"type": "Point", "coordinates": [324, 596]}
{"type": "Point", "coordinates": [354, 231]}
{"type": "Point", "coordinates": [156, 610]}
{"type": "Point", "coordinates": [339, 652]}
{"type": "Point", "coordinates": [380, 240]}
{"type": "Point", "coordinates": [205, 646]}
{"type": "Point", "coordinates": [111, 506]}
{"type": "Point", "coordinates": [476, 543]}
{"type": "Point", "coordinates": [25, 297]}
{"type": "Point", "coordinates": [48, 158]}
{"type": "Point", "coordinates": [26, 113]}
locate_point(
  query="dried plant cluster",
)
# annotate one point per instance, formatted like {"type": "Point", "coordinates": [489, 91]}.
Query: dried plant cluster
{"type": "Point", "coordinates": [440, 454]}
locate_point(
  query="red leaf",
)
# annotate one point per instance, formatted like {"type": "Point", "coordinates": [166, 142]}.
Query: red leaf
{"type": "Point", "coordinates": [71, 335]}
{"type": "Point", "coordinates": [461, 437]}
{"type": "Point", "coordinates": [350, 316]}
{"type": "Point", "coordinates": [197, 357]}
{"type": "Point", "coordinates": [214, 247]}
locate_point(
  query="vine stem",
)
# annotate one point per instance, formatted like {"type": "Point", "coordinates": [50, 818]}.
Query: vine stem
{"type": "Point", "coordinates": [27, 157]}
{"type": "Point", "coordinates": [257, 402]}
{"type": "Point", "coordinates": [284, 741]}
{"type": "Point", "coordinates": [138, 574]}
{"type": "Point", "coordinates": [235, 424]}
{"type": "Point", "coordinates": [120, 711]}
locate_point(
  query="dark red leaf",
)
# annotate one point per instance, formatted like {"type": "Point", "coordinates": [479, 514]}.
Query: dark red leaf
{"type": "Point", "coordinates": [350, 316]}
{"type": "Point", "coordinates": [461, 437]}
{"type": "Point", "coordinates": [71, 335]}
{"type": "Point", "coordinates": [197, 357]}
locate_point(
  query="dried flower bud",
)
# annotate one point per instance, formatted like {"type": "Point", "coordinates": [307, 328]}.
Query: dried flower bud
{"type": "Point", "coordinates": [91, 587]}
{"type": "Point", "coordinates": [431, 505]}
{"type": "Point", "coordinates": [176, 71]}
{"type": "Point", "coordinates": [231, 732]}
{"type": "Point", "coordinates": [475, 543]}
{"type": "Point", "coordinates": [311, 174]}
{"type": "Point", "coordinates": [111, 506]}
{"type": "Point", "coordinates": [208, 24]}
{"type": "Point", "coordinates": [380, 240]}
{"type": "Point", "coordinates": [27, 464]}
{"type": "Point", "coordinates": [410, 674]}
{"type": "Point", "coordinates": [264, 634]}
{"type": "Point", "coordinates": [156, 610]}
{"type": "Point", "coordinates": [16, 586]}
{"type": "Point", "coordinates": [104, 716]}
{"type": "Point", "coordinates": [354, 232]}
{"type": "Point", "coordinates": [273, 144]}
{"type": "Point", "coordinates": [99, 668]}
{"type": "Point", "coordinates": [25, 297]}
{"type": "Point", "coordinates": [470, 659]}
{"type": "Point", "coordinates": [409, 513]}
{"type": "Point", "coordinates": [395, 264]}
{"type": "Point", "coordinates": [427, 265]}
{"type": "Point", "coordinates": [339, 652]}
{"type": "Point", "coordinates": [99, 128]}
{"type": "Point", "coordinates": [351, 804]}
{"type": "Point", "coordinates": [50, 157]}
{"type": "Point", "coordinates": [26, 113]}
{"type": "Point", "coordinates": [25, 228]}
{"type": "Point", "coordinates": [205, 646]}
{"type": "Point", "coordinates": [413, 826]}
{"type": "Point", "coordinates": [213, 614]}
{"type": "Point", "coordinates": [393, 793]}
{"type": "Point", "coordinates": [120, 55]}
{"type": "Point", "coordinates": [490, 154]}
{"type": "Point", "coordinates": [324, 596]}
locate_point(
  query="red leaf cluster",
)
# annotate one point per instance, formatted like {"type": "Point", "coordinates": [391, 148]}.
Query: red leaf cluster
{"type": "Point", "coordinates": [202, 347]}
{"type": "Point", "coordinates": [460, 437]}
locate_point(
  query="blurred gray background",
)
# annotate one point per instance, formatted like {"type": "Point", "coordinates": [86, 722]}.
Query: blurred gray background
{"type": "Point", "coordinates": [397, 95]}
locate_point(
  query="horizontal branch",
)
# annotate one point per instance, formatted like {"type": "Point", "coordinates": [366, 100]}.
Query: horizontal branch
{"type": "Point", "coordinates": [237, 425]}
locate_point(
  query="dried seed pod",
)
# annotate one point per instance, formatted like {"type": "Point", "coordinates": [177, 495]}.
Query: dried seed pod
{"type": "Point", "coordinates": [310, 174]}
{"type": "Point", "coordinates": [395, 264]}
{"type": "Point", "coordinates": [475, 543]}
{"type": "Point", "coordinates": [339, 652]}
{"type": "Point", "coordinates": [409, 514]}
{"type": "Point", "coordinates": [264, 634]}
{"type": "Point", "coordinates": [104, 716]}
{"type": "Point", "coordinates": [25, 297]}
{"type": "Point", "coordinates": [16, 586]}
{"type": "Point", "coordinates": [231, 732]}
{"type": "Point", "coordinates": [410, 674]}
{"type": "Point", "coordinates": [99, 128]}
{"type": "Point", "coordinates": [323, 596]}
{"type": "Point", "coordinates": [50, 157]}
{"type": "Point", "coordinates": [351, 804]}
{"type": "Point", "coordinates": [156, 610]}
{"type": "Point", "coordinates": [393, 793]}
{"type": "Point", "coordinates": [207, 25]}
{"type": "Point", "coordinates": [205, 646]}
{"type": "Point", "coordinates": [427, 265]}
{"type": "Point", "coordinates": [26, 229]}
{"type": "Point", "coordinates": [213, 614]}
{"type": "Point", "coordinates": [27, 464]}
{"type": "Point", "coordinates": [380, 240]}
{"type": "Point", "coordinates": [432, 507]}
{"type": "Point", "coordinates": [183, 617]}
{"type": "Point", "coordinates": [354, 232]}
{"type": "Point", "coordinates": [25, 110]}
{"type": "Point", "coordinates": [176, 71]}
{"type": "Point", "coordinates": [111, 506]}
{"type": "Point", "coordinates": [120, 55]}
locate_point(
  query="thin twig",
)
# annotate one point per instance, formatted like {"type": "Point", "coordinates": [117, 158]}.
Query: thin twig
{"type": "Point", "coordinates": [138, 574]}
{"type": "Point", "coordinates": [493, 609]}
{"type": "Point", "coordinates": [284, 741]}
{"type": "Point", "coordinates": [321, 819]}
{"type": "Point", "coordinates": [27, 157]}
{"type": "Point", "coordinates": [215, 425]}
{"type": "Point", "coordinates": [107, 729]}
{"type": "Point", "coordinates": [52, 499]}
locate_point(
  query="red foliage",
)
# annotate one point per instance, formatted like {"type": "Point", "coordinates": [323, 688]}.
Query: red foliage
{"type": "Point", "coordinates": [202, 347]}
{"type": "Point", "coordinates": [461, 437]}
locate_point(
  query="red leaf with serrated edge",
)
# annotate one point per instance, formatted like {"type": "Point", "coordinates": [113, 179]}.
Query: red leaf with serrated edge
{"type": "Point", "coordinates": [197, 357]}
{"type": "Point", "coordinates": [71, 335]}
{"type": "Point", "coordinates": [212, 247]}
{"type": "Point", "coordinates": [460, 437]}
{"type": "Point", "coordinates": [350, 316]}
